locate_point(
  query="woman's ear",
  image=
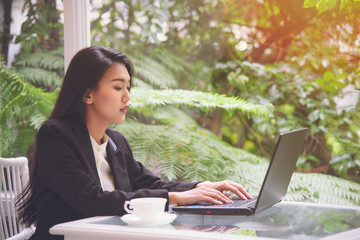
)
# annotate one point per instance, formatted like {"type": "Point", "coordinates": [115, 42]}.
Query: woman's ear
{"type": "Point", "coordinates": [87, 98]}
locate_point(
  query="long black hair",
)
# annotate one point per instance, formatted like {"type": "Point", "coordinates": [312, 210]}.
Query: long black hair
{"type": "Point", "coordinates": [83, 75]}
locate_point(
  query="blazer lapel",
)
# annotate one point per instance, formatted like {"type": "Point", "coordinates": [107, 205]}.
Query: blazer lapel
{"type": "Point", "coordinates": [87, 152]}
{"type": "Point", "coordinates": [117, 162]}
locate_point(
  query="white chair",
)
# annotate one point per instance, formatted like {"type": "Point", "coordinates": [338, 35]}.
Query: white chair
{"type": "Point", "coordinates": [14, 175]}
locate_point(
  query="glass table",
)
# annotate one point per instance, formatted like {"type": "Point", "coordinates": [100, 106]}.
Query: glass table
{"type": "Point", "coordinates": [286, 220]}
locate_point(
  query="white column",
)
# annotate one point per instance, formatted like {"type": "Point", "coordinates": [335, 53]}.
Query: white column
{"type": "Point", "coordinates": [76, 27]}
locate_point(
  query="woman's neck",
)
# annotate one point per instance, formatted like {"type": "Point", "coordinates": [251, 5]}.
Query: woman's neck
{"type": "Point", "coordinates": [96, 130]}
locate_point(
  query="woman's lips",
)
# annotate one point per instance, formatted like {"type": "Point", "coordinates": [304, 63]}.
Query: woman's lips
{"type": "Point", "coordinates": [124, 110]}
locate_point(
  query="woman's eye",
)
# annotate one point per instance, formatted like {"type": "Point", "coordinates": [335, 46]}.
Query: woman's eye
{"type": "Point", "coordinates": [118, 88]}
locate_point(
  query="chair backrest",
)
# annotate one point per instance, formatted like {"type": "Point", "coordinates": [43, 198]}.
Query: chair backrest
{"type": "Point", "coordinates": [14, 175]}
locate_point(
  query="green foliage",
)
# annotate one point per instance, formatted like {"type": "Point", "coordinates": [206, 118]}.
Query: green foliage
{"type": "Point", "coordinates": [41, 28]}
{"type": "Point", "coordinates": [45, 69]}
{"type": "Point", "coordinates": [31, 92]}
{"type": "Point", "coordinates": [323, 189]}
{"type": "Point", "coordinates": [321, 5]}
{"type": "Point", "coordinates": [143, 99]}
{"type": "Point", "coordinates": [153, 72]}
{"type": "Point", "coordinates": [324, 5]}
{"type": "Point", "coordinates": [18, 109]}
{"type": "Point", "coordinates": [194, 45]}
{"type": "Point", "coordinates": [154, 68]}
{"type": "Point", "coordinates": [176, 148]}
{"type": "Point", "coordinates": [23, 109]}
{"type": "Point", "coordinates": [301, 99]}
{"type": "Point", "coordinates": [187, 152]}
{"type": "Point", "coordinates": [157, 68]}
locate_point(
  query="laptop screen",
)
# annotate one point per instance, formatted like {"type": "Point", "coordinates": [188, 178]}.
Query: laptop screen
{"type": "Point", "coordinates": [281, 168]}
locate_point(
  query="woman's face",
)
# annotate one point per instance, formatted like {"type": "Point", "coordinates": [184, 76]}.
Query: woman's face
{"type": "Point", "coordinates": [108, 102]}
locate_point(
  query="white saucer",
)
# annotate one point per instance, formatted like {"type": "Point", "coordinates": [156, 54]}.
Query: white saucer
{"type": "Point", "coordinates": [133, 220]}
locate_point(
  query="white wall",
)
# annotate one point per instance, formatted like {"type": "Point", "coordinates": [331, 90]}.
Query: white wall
{"type": "Point", "coordinates": [15, 28]}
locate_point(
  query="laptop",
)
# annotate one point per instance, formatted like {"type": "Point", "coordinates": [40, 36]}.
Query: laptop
{"type": "Point", "coordinates": [275, 184]}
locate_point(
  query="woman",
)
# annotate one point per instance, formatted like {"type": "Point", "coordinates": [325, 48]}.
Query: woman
{"type": "Point", "coordinates": [81, 167]}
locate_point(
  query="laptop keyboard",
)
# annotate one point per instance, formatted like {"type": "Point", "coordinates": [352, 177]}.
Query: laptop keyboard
{"type": "Point", "coordinates": [235, 203]}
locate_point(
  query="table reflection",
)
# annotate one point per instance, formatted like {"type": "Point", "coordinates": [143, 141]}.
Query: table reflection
{"type": "Point", "coordinates": [284, 221]}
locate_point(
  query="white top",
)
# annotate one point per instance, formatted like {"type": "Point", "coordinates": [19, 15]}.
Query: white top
{"type": "Point", "coordinates": [103, 168]}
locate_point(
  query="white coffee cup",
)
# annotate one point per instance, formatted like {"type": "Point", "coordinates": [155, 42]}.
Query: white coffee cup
{"type": "Point", "coordinates": [146, 208]}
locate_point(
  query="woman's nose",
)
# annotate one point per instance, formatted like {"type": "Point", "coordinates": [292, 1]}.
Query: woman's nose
{"type": "Point", "coordinates": [126, 97]}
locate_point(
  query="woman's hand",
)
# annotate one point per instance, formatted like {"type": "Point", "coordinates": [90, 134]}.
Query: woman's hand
{"type": "Point", "coordinates": [209, 192]}
{"type": "Point", "coordinates": [227, 185]}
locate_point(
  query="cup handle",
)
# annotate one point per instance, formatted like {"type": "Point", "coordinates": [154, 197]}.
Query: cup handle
{"type": "Point", "coordinates": [126, 207]}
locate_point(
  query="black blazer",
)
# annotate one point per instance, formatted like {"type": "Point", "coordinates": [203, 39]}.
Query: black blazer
{"type": "Point", "coordinates": [67, 185]}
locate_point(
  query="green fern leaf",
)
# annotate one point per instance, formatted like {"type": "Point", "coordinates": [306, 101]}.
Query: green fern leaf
{"type": "Point", "coordinates": [147, 98]}
{"type": "Point", "coordinates": [153, 72]}
{"type": "Point", "coordinates": [21, 105]}
{"type": "Point", "coordinates": [53, 60]}
{"type": "Point", "coordinates": [40, 76]}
